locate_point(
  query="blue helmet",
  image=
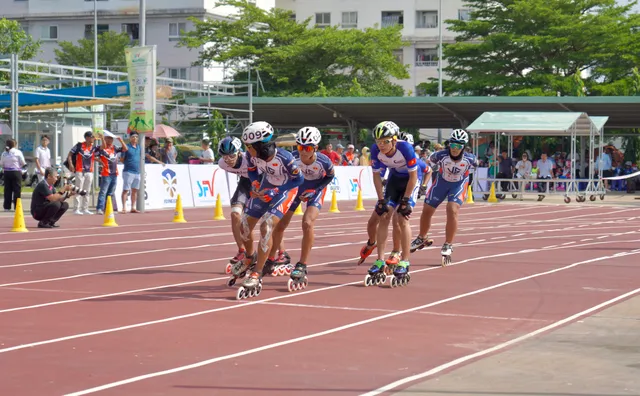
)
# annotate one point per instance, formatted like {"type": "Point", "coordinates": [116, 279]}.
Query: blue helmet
{"type": "Point", "coordinates": [229, 145]}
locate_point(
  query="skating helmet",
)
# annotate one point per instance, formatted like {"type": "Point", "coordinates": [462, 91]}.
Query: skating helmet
{"type": "Point", "coordinates": [407, 137]}
{"type": "Point", "coordinates": [260, 131]}
{"type": "Point", "coordinates": [229, 146]}
{"type": "Point", "coordinates": [385, 129]}
{"type": "Point", "coordinates": [459, 136]}
{"type": "Point", "coordinates": [308, 136]}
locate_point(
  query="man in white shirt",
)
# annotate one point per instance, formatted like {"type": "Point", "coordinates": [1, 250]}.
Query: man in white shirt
{"type": "Point", "coordinates": [545, 171]}
{"type": "Point", "coordinates": [207, 154]}
{"type": "Point", "coordinates": [43, 157]}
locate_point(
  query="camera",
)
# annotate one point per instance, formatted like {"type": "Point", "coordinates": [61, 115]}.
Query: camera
{"type": "Point", "coordinates": [74, 189]}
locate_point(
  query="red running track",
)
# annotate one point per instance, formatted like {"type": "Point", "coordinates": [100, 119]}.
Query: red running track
{"type": "Point", "coordinates": [143, 309]}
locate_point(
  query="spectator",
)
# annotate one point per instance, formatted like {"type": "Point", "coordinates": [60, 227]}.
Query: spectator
{"type": "Point", "coordinates": [505, 170]}
{"type": "Point", "coordinates": [605, 163]}
{"type": "Point", "coordinates": [333, 156]}
{"type": "Point", "coordinates": [350, 157]}
{"type": "Point", "coordinates": [83, 168]}
{"type": "Point", "coordinates": [109, 173]}
{"type": "Point", "coordinates": [48, 205]}
{"type": "Point", "coordinates": [12, 161]}
{"type": "Point", "coordinates": [43, 157]}
{"type": "Point", "coordinates": [545, 172]}
{"type": "Point", "coordinates": [131, 172]}
{"type": "Point", "coordinates": [152, 154]}
{"type": "Point", "coordinates": [207, 156]}
{"type": "Point", "coordinates": [169, 153]}
{"type": "Point", "coordinates": [490, 150]}
{"type": "Point", "coordinates": [365, 158]}
{"type": "Point", "coordinates": [340, 151]}
{"type": "Point", "coordinates": [523, 168]}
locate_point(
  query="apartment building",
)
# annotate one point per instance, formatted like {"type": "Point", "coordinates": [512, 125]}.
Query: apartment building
{"type": "Point", "coordinates": [52, 21]}
{"type": "Point", "coordinates": [419, 20]}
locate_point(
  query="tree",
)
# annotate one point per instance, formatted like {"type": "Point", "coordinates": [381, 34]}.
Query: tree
{"type": "Point", "coordinates": [293, 59]}
{"type": "Point", "coordinates": [536, 47]}
{"type": "Point", "coordinates": [14, 40]}
{"type": "Point", "coordinates": [111, 46]}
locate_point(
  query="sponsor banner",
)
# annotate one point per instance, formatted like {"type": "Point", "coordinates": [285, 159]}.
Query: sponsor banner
{"type": "Point", "coordinates": [207, 181]}
{"type": "Point", "coordinates": [141, 67]}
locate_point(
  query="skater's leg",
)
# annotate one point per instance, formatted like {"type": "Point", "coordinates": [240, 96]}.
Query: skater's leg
{"type": "Point", "coordinates": [452, 221]}
{"type": "Point", "coordinates": [236, 218]}
{"type": "Point", "coordinates": [266, 240]}
{"type": "Point", "coordinates": [372, 228]}
{"type": "Point", "coordinates": [308, 221]}
{"type": "Point", "coordinates": [425, 220]}
{"type": "Point", "coordinates": [404, 237]}
{"type": "Point", "coordinates": [383, 231]}
{"type": "Point", "coordinates": [396, 234]}
{"type": "Point", "coordinates": [278, 234]}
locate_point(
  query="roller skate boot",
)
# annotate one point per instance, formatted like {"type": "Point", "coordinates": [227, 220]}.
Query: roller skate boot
{"type": "Point", "coordinates": [401, 275]}
{"type": "Point", "coordinates": [420, 243]}
{"type": "Point", "coordinates": [366, 251]}
{"type": "Point", "coordinates": [446, 251]}
{"type": "Point", "coordinates": [240, 269]}
{"type": "Point", "coordinates": [298, 279]}
{"type": "Point", "coordinates": [392, 262]}
{"type": "Point", "coordinates": [251, 287]}
{"type": "Point", "coordinates": [282, 264]}
{"type": "Point", "coordinates": [238, 257]}
{"type": "Point", "coordinates": [376, 275]}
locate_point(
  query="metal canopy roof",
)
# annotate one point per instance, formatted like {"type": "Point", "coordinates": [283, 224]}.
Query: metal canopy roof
{"type": "Point", "coordinates": [420, 112]}
{"type": "Point", "coordinates": [536, 123]}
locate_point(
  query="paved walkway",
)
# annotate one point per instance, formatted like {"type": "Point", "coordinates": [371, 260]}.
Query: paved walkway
{"type": "Point", "coordinates": [596, 356]}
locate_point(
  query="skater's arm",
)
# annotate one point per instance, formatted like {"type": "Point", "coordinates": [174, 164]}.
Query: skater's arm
{"type": "Point", "coordinates": [329, 172]}
{"type": "Point", "coordinates": [377, 182]}
{"type": "Point", "coordinates": [252, 169]}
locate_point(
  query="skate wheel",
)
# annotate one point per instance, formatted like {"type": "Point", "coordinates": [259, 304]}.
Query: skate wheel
{"type": "Point", "coordinates": [446, 260]}
{"type": "Point", "coordinates": [231, 282]}
{"type": "Point", "coordinates": [394, 282]}
{"type": "Point", "coordinates": [367, 280]}
{"type": "Point", "coordinates": [241, 294]}
{"type": "Point", "coordinates": [290, 285]}
{"type": "Point", "coordinates": [227, 269]}
{"type": "Point", "coordinates": [383, 279]}
{"type": "Point", "coordinates": [305, 283]}
{"type": "Point", "coordinates": [258, 289]}
{"type": "Point", "coordinates": [274, 272]}
{"type": "Point", "coordinates": [288, 270]}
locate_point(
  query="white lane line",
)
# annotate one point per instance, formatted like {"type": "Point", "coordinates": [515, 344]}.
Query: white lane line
{"type": "Point", "coordinates": [498, 347]}
{"type": "Point", "coordinates": [364, 322]}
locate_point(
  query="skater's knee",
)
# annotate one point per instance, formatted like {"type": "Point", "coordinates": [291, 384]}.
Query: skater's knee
{"type": "Point", "coordinates": [307, 226]}
{"type": "Point", "coordinates": [236, 216]}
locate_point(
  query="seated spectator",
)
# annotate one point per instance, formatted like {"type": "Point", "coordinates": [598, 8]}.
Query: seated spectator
{"type": "Point", "coordinates": [48, 205]}
{"type": "Point", "coordinates": [545, 172]}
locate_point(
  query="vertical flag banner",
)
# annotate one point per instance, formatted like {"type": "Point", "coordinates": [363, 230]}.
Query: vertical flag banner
{"type": "Point", "coordinates": [97, 119]}
{"type": "Point", "coordinates": [141, 66]}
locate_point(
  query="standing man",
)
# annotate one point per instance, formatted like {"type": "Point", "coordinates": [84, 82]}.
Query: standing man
{"type": "Point", "coordinates": [82, 166]}
{"type": "Point", "coordinates": [109, 173]}
{"type": "Point", "coordinates": [43, 157]}
{"type": "Point", "coordinates": [131, 172]}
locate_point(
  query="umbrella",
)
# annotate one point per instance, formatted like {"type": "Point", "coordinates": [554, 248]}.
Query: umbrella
{"type": "Point", "coordinates": [163, 131]}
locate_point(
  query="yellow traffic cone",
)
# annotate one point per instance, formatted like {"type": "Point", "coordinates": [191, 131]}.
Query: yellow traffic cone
{"type": "Point", "coordinates": [299, 211]}
{"type": "Point", "coordinates": [178, 215]}
{"type": "Point", "coordinates": [334, 203]}
{"type": "Point", "coordinates": [218, 215]}
{"type": "Point", "coordinates": [359, 203]}
{"type": "Point", "coordinates": [109, 216]}
{"type": "Point", "coordinates": [492, 194]}
{"type": "Point", "coordinates": [18, 218]}
{"type": "Point", "coordinates": [469, 195]}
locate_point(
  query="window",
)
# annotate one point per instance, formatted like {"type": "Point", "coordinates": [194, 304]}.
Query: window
{"type": "Point", "coordinates": [88, 30]}
{"type": "Point", "coordinates": [323, 19]}
{"type": "Point", "coordinates": [293, 17]}
{"type": "Point", "coordinates": [25, 27]}
{"type": "Point", "coordinates": [179, 73]}
{"type": "Point", "coordinates": [427, 57]}
{"type": "Point", "coordinates": [426, 19]}
{"type": "Point", "coordinates": [176, 30]}
{"type": "Point", "coordinates": [49, 33]}
{"type": "Point", "coordinates": [350, 19]}
{"type": "Point", "coordinates": [399, 54]}
{"type": "Point", "coordinates": [391, 18]}
{"type": "Point", "coordinates": [132, 29]}
{"type": "Point", "coordinates": [464, 15]}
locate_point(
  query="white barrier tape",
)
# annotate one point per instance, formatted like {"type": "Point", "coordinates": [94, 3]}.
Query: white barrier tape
{"type": "Point", "coordinates": [622, 177]}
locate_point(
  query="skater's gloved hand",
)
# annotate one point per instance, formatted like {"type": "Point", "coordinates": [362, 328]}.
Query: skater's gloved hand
{"type": "Point", "coordinates": [381, 207]}
{"type": "Point", "coordinates": [267, 194]}
{"type": "Point", "coordinates": [405, 208]}
{"type": "Point", "coordinates": [255, 185]}
{"type": "Point", "coordinates": [422, 190]}
{"type": "Point", "coordinates": [307, 194]}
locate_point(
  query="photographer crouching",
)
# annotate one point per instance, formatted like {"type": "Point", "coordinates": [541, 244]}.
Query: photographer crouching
{"type": "Point", "coordinates": [47, 204]}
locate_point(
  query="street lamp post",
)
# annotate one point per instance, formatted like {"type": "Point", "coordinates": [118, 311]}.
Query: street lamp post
{"type": "Point", "coordinates": [440, 59]}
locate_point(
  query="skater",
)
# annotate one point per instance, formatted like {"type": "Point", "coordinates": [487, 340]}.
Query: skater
{"type": "Point", "coordinates": [271, 195]}
{"type": "Point", "coordinates": [451, 183]}
{"type": "Point", "coordinates": [400, 159]}
{"type": "Point", "coordinates": [318, 173]}
{"type": "Point", "coordinates": [423, 179]}
{"type": "Point", "coordinates": [233, 160]}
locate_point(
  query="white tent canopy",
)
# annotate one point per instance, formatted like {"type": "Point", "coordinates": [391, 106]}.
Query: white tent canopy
{"type": "Point", "coordinates": [537, 123]}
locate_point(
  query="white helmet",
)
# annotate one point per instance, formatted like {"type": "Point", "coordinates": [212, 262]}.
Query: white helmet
{"type": "Point", "coordinates": [308, 136]}
{"type": "Point", "coordinates": [260, 131]}
{"type": "Point", "coordinates": [385, 129]}
{"type": "Point", "coordinates": [459, 136]}
{"type": "Point", "coordinates": [407, 137]}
